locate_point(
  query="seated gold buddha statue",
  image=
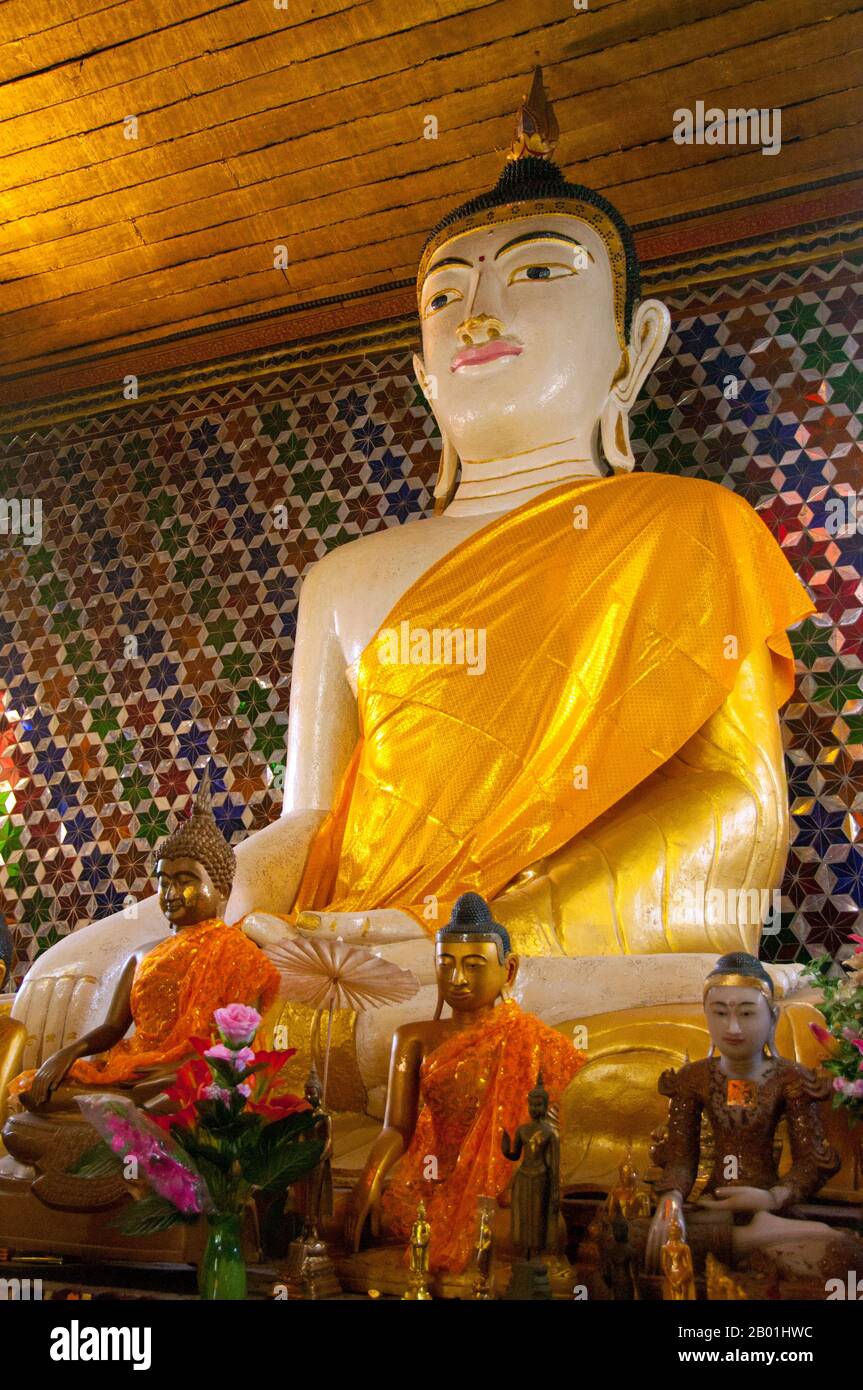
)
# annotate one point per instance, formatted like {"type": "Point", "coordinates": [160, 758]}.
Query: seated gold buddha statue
{"type": "Point", "coordinates": [168, 992]}
{"type": "Point", "coordinates": [560, 691]}
{"type": "Point", "coordinates": [457, 1085]}
{"type": "Point", "coordinates": [745, 1088]}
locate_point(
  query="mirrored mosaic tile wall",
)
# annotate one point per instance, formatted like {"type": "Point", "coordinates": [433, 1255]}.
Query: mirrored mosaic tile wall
{"type": "Point", "coordinates": [151, 627]}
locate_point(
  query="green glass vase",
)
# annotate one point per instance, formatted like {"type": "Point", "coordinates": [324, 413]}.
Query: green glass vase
{"type": "Point", "coordinates": [222, 1271]}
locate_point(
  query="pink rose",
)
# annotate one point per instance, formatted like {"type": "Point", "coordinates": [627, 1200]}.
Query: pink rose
{"type": "Point", "coordinates": [237, 1024]}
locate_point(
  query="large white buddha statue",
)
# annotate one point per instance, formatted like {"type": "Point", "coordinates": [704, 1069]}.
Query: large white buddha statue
{"type": "Point", "coordinates": [559, 691]}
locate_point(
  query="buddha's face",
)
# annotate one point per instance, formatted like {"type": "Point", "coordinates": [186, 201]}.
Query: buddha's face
{"type": "Point", "coordinates": [740, 1021]}
{"type": "Point", "coordinates": [187, 894]}
{"type": "Point", "coordinates": [519, 339]}
{"type": "Point", "coordinates": [470, 975]}
{"type": "Point", "coordinates": [537, 1107]}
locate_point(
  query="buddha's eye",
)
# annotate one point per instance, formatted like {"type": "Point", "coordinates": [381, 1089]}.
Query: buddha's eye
{"type": "Point", "coordinates": [441, 300]}
{"type": "Point", "coordinates": [547, 270]}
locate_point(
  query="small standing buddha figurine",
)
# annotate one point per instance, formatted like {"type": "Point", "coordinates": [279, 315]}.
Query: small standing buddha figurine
{"type": "Point", "coordinates": [484, 1256]}
{"type": "Point", "coordinates": [168, 989]}
{"type": "Point", "coordinates": [678, 1276]}
{"type": "Point", "coordinates": [316, 1190]}
{"type": "Point", "coordinates": [417, 1289]}
{"type": "Point", "coordinates": [311, 1272]}
{"type": "Point", "coordinates": [627, 1198]}
{"type": "Point", "coordinates": [536, 1186]}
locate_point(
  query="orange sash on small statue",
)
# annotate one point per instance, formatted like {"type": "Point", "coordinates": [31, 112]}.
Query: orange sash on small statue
{"type": "Point", "coordinates": [614, 615]}
{"type": "Point", "coordinates": [176, 989]}
{"type": "Point", "coordinates": [473, 1087]}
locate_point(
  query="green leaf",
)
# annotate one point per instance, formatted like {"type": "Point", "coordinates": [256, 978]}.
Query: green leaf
{"type": "Point", "coordinates": [97, 1162]}
{"type": "Point", "coordinates": [277, 1167]}
{"type": "Point", "coordinates": [149, 1215]}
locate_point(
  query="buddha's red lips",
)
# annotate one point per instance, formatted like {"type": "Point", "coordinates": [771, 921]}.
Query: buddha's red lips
{"type": "Point", "coordinates": [486, 352]}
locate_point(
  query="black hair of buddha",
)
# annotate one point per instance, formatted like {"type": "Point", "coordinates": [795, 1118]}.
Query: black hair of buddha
{"type": "Point", "coordinates": [742, 963]}
{"type": "Point", "coordinates": [531, 178]}
{"type": "Point", "coordinates": [471, 919]}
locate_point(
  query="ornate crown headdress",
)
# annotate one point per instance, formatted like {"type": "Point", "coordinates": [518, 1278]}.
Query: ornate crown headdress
{"type": "Point", "coordinates": [742, 971]}
{"type": "Point", "coordinates": [531, 184]}
{"type": "Point", "coordinates": [200, 838]}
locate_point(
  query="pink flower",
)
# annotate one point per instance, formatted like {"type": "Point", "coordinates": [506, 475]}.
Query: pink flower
{"type": "Point", "coordinates": [219, 1093]}
{"type": "Point", "coordinates": [239, 1060]}
{"type": "Point", "coordinates": [244, 1089]}
{"type": "Point", "coordinates": [237, 1024]}
{"type": "Point", "coordinates": [852, 1089]}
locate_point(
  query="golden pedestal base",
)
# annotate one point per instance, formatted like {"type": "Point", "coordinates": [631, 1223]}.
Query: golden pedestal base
{"type": "Point", "coordinates": [385, 1269]}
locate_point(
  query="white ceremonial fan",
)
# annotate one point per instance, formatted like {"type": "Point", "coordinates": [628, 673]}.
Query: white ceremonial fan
{"type": "Point", "coordinates": [327, 973]}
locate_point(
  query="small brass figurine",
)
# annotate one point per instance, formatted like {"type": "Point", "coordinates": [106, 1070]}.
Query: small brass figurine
{"type": "Point", "coordinates": [536, 1186]}
{"type": "Point", "coordinates": [482, 1288]}
{"type": "Point", "coordinates": [618, 1263]}
{"type": "Point", "coordinates": [535, 1196]}
{"type": "Point", "coordinates": [721, 1284]}
{"type": "Point", "coordinates": [678, 1276]}
{"type": "Point", "coordinates": [311, 1272]}
{"type": "Point", "coordinates": [627, 1198]}
{"type": "Point", "coordinates": [317, 1197]}
{"type": "Point", "coordinates": [417, 1289]}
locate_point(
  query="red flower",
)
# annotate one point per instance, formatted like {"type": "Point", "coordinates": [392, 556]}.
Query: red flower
{"type": "Point", "coordinates": [277, 1107]}
{"type": "Point", "coordinates": [192, 1077]}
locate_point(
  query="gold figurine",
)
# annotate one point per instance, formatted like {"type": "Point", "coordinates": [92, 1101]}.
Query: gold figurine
{"type": "Point", "coordinates": [482, 1288]}
{"type": "Point", "coordinates": [678, 1276]}
{"type": "Point", "coordinates": [627, 1198]}
{"type": "Point", "coordinates": [417, 1289]}
{"type": "Point", "coordinates": [721, 1284]}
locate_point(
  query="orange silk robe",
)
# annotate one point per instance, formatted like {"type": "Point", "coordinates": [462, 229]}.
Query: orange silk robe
{"type": "Point", "coordinates": [177, 987]}
{"type": "Point", "coordinates": [472, 1088]}
{"type": "Point", "coordinates": [616, 615]}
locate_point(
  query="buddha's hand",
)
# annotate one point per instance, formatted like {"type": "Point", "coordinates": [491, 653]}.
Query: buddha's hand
{"type": "Point", "coordinates": [377, 926]}
{"type": "Point", "coordinates": [48, 1077]}
{"type": "Point", "coordinates": [739, 1199]}
{"type": "Point", "coordinates": [670, 1206]}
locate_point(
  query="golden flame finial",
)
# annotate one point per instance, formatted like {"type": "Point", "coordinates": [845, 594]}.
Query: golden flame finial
{"type": "Point", "coordinates": [203, 796]}
{"type": "Point", "coordinates": [536, 128]}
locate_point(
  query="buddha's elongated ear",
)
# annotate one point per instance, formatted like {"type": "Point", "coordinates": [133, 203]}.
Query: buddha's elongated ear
{"type": "Point", "coordinates": [650, 327]}
{"type": "Point", "coordinates": [448, 469]}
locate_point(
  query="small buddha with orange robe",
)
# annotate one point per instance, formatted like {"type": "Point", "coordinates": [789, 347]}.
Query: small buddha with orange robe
{"type": "Point", "coordinates": [455, 1085]}
{"type": "Point", "coordinates": [168, 989]}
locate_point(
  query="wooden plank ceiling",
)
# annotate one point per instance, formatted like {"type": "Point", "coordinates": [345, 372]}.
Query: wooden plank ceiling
{"type": "Point", "coordinates": [304, 126]}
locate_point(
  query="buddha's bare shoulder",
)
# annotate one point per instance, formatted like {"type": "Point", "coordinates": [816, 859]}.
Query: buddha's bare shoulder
{"type": "Point", "coordinates": [420, 1033]}
{"type": "Point", "coordinates": [388, 549]}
